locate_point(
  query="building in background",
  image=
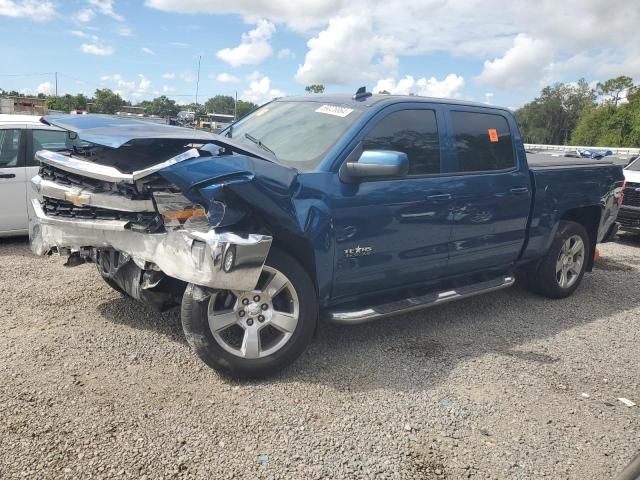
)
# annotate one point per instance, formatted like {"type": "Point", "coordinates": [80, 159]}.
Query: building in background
{"type": "Point", "coordinates": [26, 105]}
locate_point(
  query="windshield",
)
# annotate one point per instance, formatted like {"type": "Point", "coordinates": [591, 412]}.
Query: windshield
{"type": "Point", "coordinates": [299, 133]}
{"type": "Point", "coordinates": [634, 166]}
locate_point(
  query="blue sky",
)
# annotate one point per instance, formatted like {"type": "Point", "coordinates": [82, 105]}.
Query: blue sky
{"type": "Point", "coordinates": [491, 51]}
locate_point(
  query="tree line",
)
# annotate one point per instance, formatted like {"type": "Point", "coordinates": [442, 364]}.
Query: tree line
{"type": "Point", "coordinates": [576, 114]}
{"type": "Point", "coordinates": [107, 101]}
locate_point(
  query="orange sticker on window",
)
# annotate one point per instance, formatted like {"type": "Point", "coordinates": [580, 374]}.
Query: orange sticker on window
{"type": "Point", "coordinates": [493, 135]}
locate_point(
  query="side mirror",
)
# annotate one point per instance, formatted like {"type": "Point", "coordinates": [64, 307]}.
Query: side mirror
{"type": "Point", "coordinates": [376, 164]}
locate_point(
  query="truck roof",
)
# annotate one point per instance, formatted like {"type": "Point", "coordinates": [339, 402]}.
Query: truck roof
{"type": "Point", "coordinates": [381, 100]}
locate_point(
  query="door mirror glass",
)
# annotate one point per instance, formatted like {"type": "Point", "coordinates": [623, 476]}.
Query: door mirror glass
{"type": "Point", "coordinates": [377, 164]}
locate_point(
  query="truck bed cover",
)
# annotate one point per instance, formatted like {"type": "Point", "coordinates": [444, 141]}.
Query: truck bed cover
{"type": "Point", "coordinates": [541, 160]}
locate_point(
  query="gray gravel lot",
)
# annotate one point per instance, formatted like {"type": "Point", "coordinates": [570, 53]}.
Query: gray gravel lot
{"type": "Point", "coordinates": [508, 385]}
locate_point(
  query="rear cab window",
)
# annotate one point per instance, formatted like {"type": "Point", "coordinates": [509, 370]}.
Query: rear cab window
{"type": "Point", "coordinates": [482, 142]}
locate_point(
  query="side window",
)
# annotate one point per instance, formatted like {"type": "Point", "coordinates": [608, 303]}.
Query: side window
{"type": "Point", "coordinates": [47, 140]}
{"type": "Point", "coordinates": [482, 141]}
{"type": "Point", "coordinates": [9, 147]}
{"type": "Point", "coordinates": [414, 132]}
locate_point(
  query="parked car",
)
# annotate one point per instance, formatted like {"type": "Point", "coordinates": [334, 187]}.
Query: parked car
{"type": "Point", "coordinates": [328, 206]}
{"type": "Point", "coordinates": [20, 137]}
{"type": "Point", "coordinates": [629, 214]}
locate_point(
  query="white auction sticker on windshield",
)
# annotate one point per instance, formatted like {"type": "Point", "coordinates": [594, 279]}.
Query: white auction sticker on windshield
{"type": "Point", "coordinates": [334, 110]}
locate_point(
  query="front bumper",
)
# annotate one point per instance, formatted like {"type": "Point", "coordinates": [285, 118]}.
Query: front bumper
{"type": "Point", "coordinates": [217, 260]}
{"type": "Point", "coordinates": [629, 218]}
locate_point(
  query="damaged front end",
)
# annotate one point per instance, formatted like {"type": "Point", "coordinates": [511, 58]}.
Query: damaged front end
{"type": "Point", "coordinates": [148, 236]}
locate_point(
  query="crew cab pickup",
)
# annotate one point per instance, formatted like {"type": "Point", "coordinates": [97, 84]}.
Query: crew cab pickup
{"type": "Point", "coordinates": [336, 207]}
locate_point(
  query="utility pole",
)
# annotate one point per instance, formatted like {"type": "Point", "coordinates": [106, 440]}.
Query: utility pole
{"type": "Point", "coordinates": [235, 108]}
{"type": "Point", "coordinates": [198, 79]}
{"type": "Point", "coordinates": [56, 84]}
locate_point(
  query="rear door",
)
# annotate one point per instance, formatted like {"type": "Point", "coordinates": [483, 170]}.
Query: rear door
{"type": "Point", "coordinates": [13, 205]}
{"type": "Point", "coordinates": [492, 197]}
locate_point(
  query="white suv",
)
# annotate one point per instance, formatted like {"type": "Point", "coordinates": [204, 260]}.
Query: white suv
{"type": "Point", "coordinates": [20, 137]}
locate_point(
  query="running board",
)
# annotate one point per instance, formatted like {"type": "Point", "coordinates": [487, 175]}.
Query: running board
{"type": "Point", "coordinates": [416, 303]}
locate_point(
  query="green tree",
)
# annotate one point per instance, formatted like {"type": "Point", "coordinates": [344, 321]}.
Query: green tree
{"type": "Point", "coordinates": [245, 107]}
{"type": "Point", "coordinates": [222, 104]}
{"type": "Point", "coordinates": [384, 92]}
{"type": "Point", "coordinates": [611, 126]}
{"type": "Point", "coordinates": [612, 89]}
{"type": "Point", "coordinates": [161, 106]}
{"type": "Point", "coordinates": [67, 102]}
{"type": "Point", "coordinates": [552, 117]}
{"type": "Point", "coordinates": [106, 101]}
{"type": "Point", "coordinates": [315, 88]}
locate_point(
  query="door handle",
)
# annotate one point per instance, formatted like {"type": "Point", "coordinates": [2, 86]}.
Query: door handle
{"type": "Point", "coordinates": [7, 175]}
{"type": "Point", "coordinates": [519, 190]}
{"type": "Point", "coordinates": [440, 196]}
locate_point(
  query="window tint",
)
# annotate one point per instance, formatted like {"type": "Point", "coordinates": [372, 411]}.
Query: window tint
{"type": "Point", "coordinates": [482, 141]}
{"type": "Point", "coordinates": [48, 140]}
{"type": "Point", "coordinates": [9, 147]}
{"type": "Point", "coordinates": [414, 132]}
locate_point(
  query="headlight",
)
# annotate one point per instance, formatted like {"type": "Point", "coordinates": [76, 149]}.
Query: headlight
{"type": "Point", "coordinates": [177, 211]}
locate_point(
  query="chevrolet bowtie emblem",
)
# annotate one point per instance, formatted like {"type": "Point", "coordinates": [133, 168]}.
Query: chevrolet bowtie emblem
{"type": "Point", "coordinates": [78, 199]}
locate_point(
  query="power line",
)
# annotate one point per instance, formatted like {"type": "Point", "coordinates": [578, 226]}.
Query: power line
{"type": "Point", "coordinates": [26, 74]}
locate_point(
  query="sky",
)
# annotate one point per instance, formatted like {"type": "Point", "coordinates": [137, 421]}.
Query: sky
{"type": "Point", "coordinates": [489, 51]}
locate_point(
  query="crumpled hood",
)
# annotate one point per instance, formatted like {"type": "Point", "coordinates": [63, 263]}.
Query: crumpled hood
{"type": "Point", "coordinates": [246, 185]}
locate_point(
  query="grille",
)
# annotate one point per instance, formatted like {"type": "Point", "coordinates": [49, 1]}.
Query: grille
{"type": "Point", "coordinates": [631, 196]}
{"type": "Point", "coordinates": [62, 208]}
{"type": "Point", "coordinates": [629, 218]}
{"type": "Point", "coordinates": [73, 179]}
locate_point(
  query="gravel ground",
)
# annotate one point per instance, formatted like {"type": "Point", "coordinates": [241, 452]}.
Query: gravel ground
{"type": "Point", "coordinates": [507, 385]}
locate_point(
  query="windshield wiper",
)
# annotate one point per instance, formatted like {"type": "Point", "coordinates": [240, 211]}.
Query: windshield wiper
{"type": "Point", "coordinates": [260, 144]}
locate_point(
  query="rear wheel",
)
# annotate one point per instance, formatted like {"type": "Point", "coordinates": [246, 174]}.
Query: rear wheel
{"type": "Point", "coordinates": [253, 333]}
{"type": "Point", "coordinates": [562, 270]}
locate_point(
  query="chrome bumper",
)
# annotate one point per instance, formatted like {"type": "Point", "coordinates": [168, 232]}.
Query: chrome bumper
{"type": "Point", "coordinates": [216, 260]}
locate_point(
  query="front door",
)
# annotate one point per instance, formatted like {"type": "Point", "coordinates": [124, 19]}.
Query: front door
{"type": "Point", "coordinates": [394, 232]}
{"type": "Point", "coordinates": [13, 201]}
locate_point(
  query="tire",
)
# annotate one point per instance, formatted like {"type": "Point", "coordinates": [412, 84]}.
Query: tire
{"type": "Point", "coordinates": [231, 350]}
{"type": "Point", "coordinates": [547, 280]}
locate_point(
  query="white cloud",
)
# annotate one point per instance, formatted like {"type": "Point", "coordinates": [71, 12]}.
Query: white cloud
{"type": "Point", "coordinates": [147, 51]}
{"type": "Point", "coordinates": [448, 87]}
{"type": "Point", "coordinates": [105, 7]}
{"type": "Point", "coordinates": [96, 49]}
{"type": "Point", "coordinates": [168, 89]}
{"type": "Point", "coordinates": [298, 14]}
{"type": "Point", "coordinates": [226, 78]}
{"type": "Point", "coordinates": [254, 47]}
{"type": "Point", "coordinates": [169, 76]}
{"type": "Point", "coordinates": [81, 34]}
{"type": "Point", "coordinates": [179, 44]}
{"type": "Point", "coordinates": [347, 51]}
{"type": "Point", "coordinates": [472, 29]}
{"type": "Point", "coordinates": [38, 10]}
{"type": "Point", "coordinates": [285, 53]}
{"type": "Point", "coordinates": [124, 31]}
{"type": "Point", "coordinates": [127, 89]}
{"type": "Point", "coordinates": [84, 16]}
{"type": "Point", "coordinates": [46, 88]}
{"type": "Point", "coordinates": [188, 77]}
{"type": "Point", "coordinates": [522, 62]}
{"type": "Point", "coordinates": [260, 91]}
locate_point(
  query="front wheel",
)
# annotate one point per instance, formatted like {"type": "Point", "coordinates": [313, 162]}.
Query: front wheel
{"type": "Point", "coordinates": [253, 333]}
{"type": "Point", "coordinates": [561, 272]}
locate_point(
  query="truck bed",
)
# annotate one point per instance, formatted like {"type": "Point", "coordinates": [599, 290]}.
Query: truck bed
{"type": "Point", "coordinates": [541, 160]}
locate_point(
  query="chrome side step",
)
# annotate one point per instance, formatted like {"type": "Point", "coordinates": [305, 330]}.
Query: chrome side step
{"type": "Point", "coordinates": [416, 303]}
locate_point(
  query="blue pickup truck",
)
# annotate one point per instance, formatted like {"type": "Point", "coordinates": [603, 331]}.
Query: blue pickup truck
{"type": "Point", "coordinates": [346, 208]}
